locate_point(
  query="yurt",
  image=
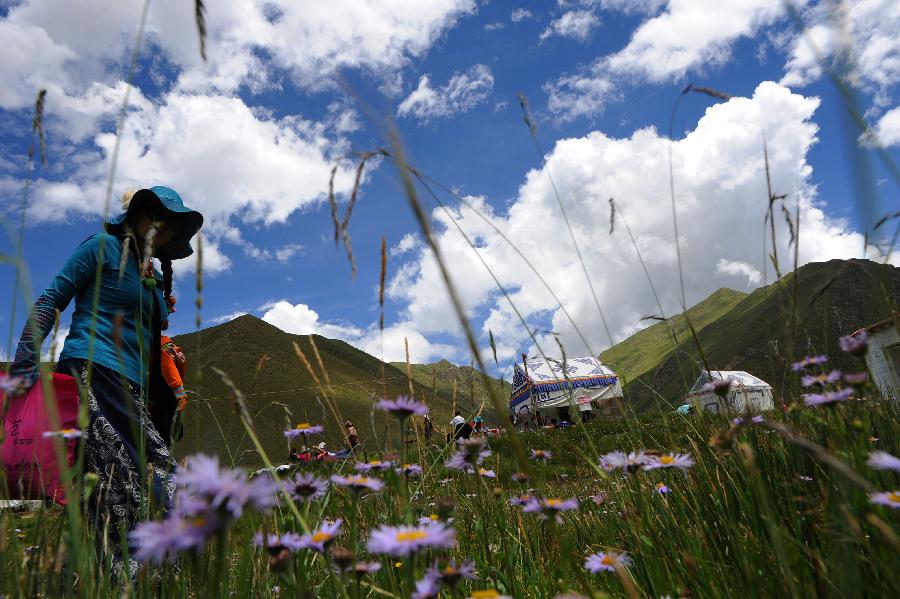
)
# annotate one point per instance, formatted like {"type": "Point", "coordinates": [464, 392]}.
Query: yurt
{"type": "Point", "coordinates": [557, 389]}
{"type": "Point", "coordinates": [746, 390]}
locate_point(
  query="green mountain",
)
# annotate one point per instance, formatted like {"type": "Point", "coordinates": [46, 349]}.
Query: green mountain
{"type": "Point", "coordinates": [280, 392]}
{"type": "Point", "coordinates": [762, 333]}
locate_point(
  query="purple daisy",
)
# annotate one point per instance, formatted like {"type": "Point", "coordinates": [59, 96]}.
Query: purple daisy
{"type": "Point", "coordinates": [626, 462]}
{"type": "Point", "coordinates": [363, 568]}
{"type": "Point", "coordinates": [323, 536]}
{"type": "Point", "coordinates": [358, 483]}
{"type": "Point", "coordinates": [541, 454]}
{"type": "Point", "coordinates": [304, 428]}
{"type": "Point", "coordinates": [882, 460]}
{"type": "Point", "coordinates": [405, 540]}
{"type": "Point", "coordinates": [289, 540]}
{"type": "Point", "coordinates": [808, 380]}
{"type": "Point", "coordinates": [754, 419]}
{"type": "Point", "coordinates": [521, 499]}
{"type": "Point", "coordinates": [682, 461]}
{"type": "Point", "coordinates": [718, 386]}
{"type": "Point", "coordinates": [827, 398]}
{"type": "Point", "coordinates": [158, 541]}
{"type": "Point", "coordinates": [808, 361]}
{"type": "Point", "coordinates": [519, 477]}
{"type": "Point", "coordinates": [856, 378]}
{"type": "Point", "coordinates": [409, 470]}
{"type": "Point", "coordinates": [550, 507]}
{"type": "Point", "coordinates": [855, 343]}
{"type": "Point", "coordinates": [890, 499]}
{"type": "Point", "coordinates": [662, 489]}
{"type": "Point", "coordinates": [224, 489]}
{"type": "Point", "coordinates": [402, 407]}
{"type": "Point", "coordinates": [374, 466]}
{"type": "Point", "coordinates": [483, 473]}
{"type": "Point", "coordinates": [306, 487]}
{"type": "Point", "coordinates": [427, 588]}
{"type": "Point", "coordinates": [66, 433]}
{"type": "Point", "coordinates": [606, 562]}
{"type": "Point", "coordinates": [451, 573]}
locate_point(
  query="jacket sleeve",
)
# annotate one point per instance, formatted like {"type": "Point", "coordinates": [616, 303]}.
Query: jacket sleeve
{"type": "Point", "coordinates": [77, 274]}
{"type": "Point", "coordinates": [173, 378]}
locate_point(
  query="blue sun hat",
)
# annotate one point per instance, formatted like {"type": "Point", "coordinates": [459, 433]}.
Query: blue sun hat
{"type": "Point", "coordinates": [187, 222]}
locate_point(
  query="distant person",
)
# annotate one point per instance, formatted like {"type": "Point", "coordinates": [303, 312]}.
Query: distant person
{"type": "Point", "coordinates": [456, 423]}
{"type": "Point", "coordinates": [539, 420]}
{"type": "Point", "coordinates": [479, 424]}
{"type": "Point", "coordinates": [352, 435]}
{"type": "Point", "coordinates": [553, 423]}
{"type": "Point", "coordinates": [429, 428]}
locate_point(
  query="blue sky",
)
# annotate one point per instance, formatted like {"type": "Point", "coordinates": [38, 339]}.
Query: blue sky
{"type": "Point", "coordinates": [291, 89]}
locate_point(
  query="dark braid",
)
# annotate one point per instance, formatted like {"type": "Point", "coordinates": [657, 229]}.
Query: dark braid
{"type": "Point", "coordinates": [166, 266]}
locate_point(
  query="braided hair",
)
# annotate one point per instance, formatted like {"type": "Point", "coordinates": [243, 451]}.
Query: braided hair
{"type": "Point", "coordinates": [165, 265]}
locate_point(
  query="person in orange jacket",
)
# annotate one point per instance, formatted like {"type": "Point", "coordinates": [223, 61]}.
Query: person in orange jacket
{"type": "Point", "coordinates": [172, 362]}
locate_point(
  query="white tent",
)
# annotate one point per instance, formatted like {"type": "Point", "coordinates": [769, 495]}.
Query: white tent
{"type": "Point", "coordinates": [578, 382]}
{"type": "Point", "coordinates": [746, 390]}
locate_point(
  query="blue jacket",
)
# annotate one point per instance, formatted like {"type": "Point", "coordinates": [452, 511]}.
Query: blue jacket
{"type": "Point", "coordinates": [121, 292]}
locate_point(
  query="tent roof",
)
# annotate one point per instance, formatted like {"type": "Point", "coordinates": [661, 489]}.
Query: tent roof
{"type": "Point", "coordinates": [543, 372]}
{"type": "Point", "coordinates": [738, 377]}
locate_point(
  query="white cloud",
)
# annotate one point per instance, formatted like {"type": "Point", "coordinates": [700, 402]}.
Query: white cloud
{"type": "Point", "coordinates": [720, 191]}
{"type": "Point", "coordinates": [214, 261]}
{"type": "Point", "coordinates": [580, 95]}
{"type": "Point", "coordinates": [886, 131]}
{"type": "Point", "coordinates": [463, 92]}
{"type": "Point", "coordinates": [53, 345]}
{"type": "Point", "coordinates": [576, 24]}
{"type": "Point", "coordinates": [691, 34]}
{"type": "Point", "coordinates": [227, 317]}
{"type": "Point", "coordinates": [687, 36]}
{"type": "Point", "coordinates": [300, 319]}
{"type": "Point", "coordinates": [407, 243]}
{"type": "Point", "coordinates": [741, 269]}
{"type": "Point", "coordinates": [865, 30]}
{"type": "Point", "coordinates": [520, 14]}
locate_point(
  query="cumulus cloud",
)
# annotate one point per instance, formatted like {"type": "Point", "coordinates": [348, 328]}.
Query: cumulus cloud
{"type": "Point", "coordinates": [741, 269]}
{"type": "Point", "coordinates": [576, 24]}
{"type": "Point", "coordinates": [687, 36]}
{"type": "Point", "coordinates": [721, 196]}
{"type": "Point", "coordinates": [53, 345]}
{"type": "Point", "coordinates": [865, 32]}
{"type": "Point", "coordinates": [300, 319]}
{"type": "Point", "coordinates": [463, 92]}
{"type": "Point", "coordinates": [407, 243]}
{"type": "Point", "coordinates": [886, 132]}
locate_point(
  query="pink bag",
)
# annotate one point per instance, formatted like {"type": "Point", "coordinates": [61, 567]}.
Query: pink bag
{"type": "Point", "coordinates": [27, 452]}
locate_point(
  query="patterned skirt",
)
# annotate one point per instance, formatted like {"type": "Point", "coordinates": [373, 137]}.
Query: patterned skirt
{"type": "Point", "coordinates": [133, 465]}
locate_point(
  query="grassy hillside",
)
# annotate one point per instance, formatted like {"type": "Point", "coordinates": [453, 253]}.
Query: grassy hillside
{"type": "Point", "coordinates": [280, 392]}
{"type": "Point", "coordinates": [832, 299]}
{"type": "Point", "coordinates": [643, 351]}
{"type": "Point", "coordinates": [470, 390]}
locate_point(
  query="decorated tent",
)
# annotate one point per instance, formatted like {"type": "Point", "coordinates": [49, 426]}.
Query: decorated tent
{"type": "Point", "coordinates": [540, 384]}
{"type": "Point", "coordinates": [746, 391]}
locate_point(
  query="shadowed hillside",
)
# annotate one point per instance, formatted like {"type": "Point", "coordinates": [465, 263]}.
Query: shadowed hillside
{"type": "Point", "coordinates": [280, 392]}
{"type": "Point", "coordinates": [756, 334]}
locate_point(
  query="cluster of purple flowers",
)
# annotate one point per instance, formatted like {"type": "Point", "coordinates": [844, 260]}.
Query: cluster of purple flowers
{"type": "Point", "coordinates": [210, 499]}
{"type": "Point", "coordinates": [640, 460]}
{"type": "Point", "coordinates": [827, 398]}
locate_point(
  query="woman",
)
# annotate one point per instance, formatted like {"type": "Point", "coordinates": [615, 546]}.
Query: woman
{"type": "Point", "coordinates": [113, 348]}
{"type": "Point", "coordinates": [352, 435]}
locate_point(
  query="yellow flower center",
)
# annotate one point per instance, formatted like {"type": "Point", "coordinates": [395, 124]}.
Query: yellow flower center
{"type": "Point", "coordinates": [894, 497]}
{"type": "Point", "coordinates": [666, 459]}
{"type": "Point", "coordinates": [449, 570]}
{"type": "Point", "coordinates": [398, 565]}
{"type": "Point", "coordinates": [322, 537]}
{"type": "Point", "coordinates": [660, 485]}
{"type": "Point", "coordinates": [608, 561]}
{"type": "Point", "coordinates": [410, 536]}
{"type": "Point", "coordinates": [358, 480]}
{"type": "Point", "coordinates": [488, 594]}
{"type": "Point", "coordinates": [375, 462]}
{"type": "Point", "coordinates": [433, 517]}
{"type": "Point", "coordinates": [303, 426]}
{"type": "Point", "coordinates": [554, 502]}
{"type": "Point", "coordinates": [68, 431]}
